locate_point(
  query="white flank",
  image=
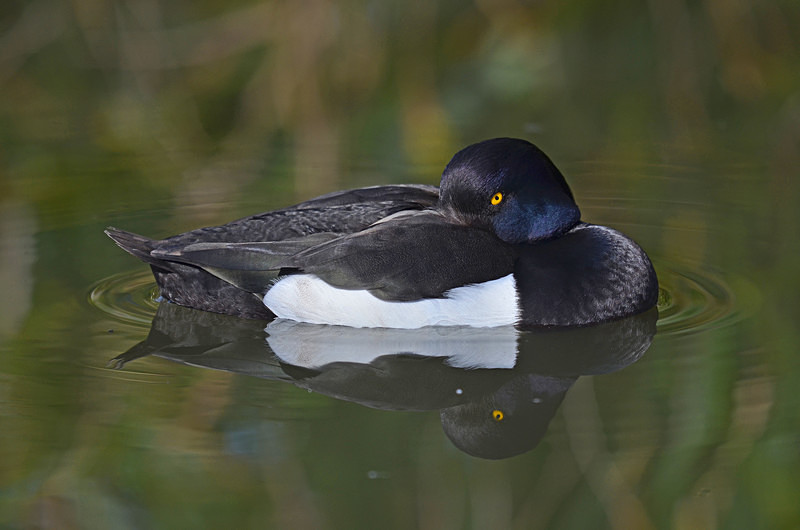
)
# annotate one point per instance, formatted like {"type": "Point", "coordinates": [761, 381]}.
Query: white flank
{"type": "Point", "coordinates": [306, 298]}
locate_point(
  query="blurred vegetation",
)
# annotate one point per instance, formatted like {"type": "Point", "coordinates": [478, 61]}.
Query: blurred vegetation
{"type": "Point", "coordinates": [678, 122]}
{"type": "Point", "coordinates": [208, 87]}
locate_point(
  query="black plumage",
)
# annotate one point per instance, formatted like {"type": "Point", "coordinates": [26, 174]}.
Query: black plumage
{"type": "Point", "coordinates": [502, 208]}
{"type": "Point", "coordinates": [336, 213]}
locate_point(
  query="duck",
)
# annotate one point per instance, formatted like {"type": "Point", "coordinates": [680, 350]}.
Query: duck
{"type": "Point", "coordinates": [500, 242]}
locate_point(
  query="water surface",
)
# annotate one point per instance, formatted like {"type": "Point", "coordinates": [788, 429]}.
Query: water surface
{"type": "Point", "coordinates": [221, 409]}
{"type": "Point", "coordinates": [678, 125]}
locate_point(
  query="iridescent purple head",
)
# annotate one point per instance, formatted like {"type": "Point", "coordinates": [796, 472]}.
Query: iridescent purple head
{"type": "Point", "coordinates": [511, 187]}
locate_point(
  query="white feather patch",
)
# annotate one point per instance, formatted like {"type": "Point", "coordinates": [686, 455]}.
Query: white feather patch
{"type": "Point", "coordinates": [306, 298]}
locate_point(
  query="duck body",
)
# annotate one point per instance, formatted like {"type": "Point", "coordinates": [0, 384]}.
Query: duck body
{"type": "Point", "coordinates": [500, 242]}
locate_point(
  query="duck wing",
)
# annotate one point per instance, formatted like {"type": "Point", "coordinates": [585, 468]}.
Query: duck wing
{"type": "Point", "coordinates": [341, 212]}
{"type": "Point", "coordinates": [420, 194]}
{"type": "Point", "coordinates": [408, 257]}
{"type": "Point", "coordinates": [411, 257]}
{"type": "Point", "coordinates": [338, 213]}
{"type": "Point", "coordinates": [251, 266]}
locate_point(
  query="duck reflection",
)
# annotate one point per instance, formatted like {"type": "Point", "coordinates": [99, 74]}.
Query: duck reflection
{"type": "Point", "coordinates": [496, 389]}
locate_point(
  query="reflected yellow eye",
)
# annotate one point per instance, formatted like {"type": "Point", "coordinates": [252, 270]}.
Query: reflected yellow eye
{"type": "Point", "coordinates": [498, 414]}
{"type": "Point", "coordinates": [497, 198]}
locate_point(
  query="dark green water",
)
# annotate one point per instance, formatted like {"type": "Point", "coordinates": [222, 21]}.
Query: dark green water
{"type": "Point", "coordinates": [677, 124]}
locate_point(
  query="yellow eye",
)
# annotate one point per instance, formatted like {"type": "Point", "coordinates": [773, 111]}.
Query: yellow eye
{"type": "Point", "coordinates": [497, 414]}
{"type": "Point", "coordinates": [497, 198]}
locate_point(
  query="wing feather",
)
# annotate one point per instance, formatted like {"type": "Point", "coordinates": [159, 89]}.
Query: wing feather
{"type": "Point", "coordinates": [411, 257]}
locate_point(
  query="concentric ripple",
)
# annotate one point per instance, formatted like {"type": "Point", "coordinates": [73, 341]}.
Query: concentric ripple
{"type": "Point", "coordinates": [131, 298]}
{"type": "Point", "coordinates": [690, 301]}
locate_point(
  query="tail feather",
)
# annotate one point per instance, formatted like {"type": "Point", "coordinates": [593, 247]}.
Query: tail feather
{"type": "Point", "coordinates": [186, 284]}
{"type": "Point", "coordinates": [134, 244]}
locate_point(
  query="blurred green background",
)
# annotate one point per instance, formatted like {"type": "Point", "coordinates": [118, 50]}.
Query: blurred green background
{"type": "Point", "coordinates": [675, 121]}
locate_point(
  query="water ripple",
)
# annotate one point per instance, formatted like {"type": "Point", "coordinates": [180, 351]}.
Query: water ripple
{"type": "Point", "coordinates": [130, 297]}
{"type": "Point", "coordinates": [689, 300]}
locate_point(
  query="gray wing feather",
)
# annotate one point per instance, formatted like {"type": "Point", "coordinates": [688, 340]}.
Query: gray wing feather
{"type": "Point", "coordinates": [414, 257]}
{"type": "Point", "coordinates": [250, 266]}
{"type": "Point", "coordinates": [408, 258]}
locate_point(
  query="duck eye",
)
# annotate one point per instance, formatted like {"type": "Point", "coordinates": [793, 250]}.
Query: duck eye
{"type": "Point", "coordinates": [497, 198]}
{"type": "Point", "coordinates": [498, 414]}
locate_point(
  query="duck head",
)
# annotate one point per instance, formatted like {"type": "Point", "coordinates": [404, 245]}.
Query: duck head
{"type": "Point", "coordinates": [512, 188]}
